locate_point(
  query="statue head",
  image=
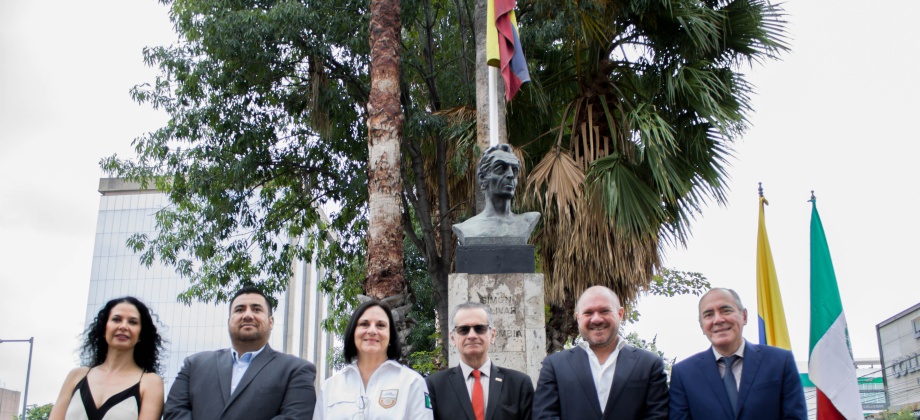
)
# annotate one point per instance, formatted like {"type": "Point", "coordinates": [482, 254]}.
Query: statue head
{"type": "Point", "coordinates": [498, 171]}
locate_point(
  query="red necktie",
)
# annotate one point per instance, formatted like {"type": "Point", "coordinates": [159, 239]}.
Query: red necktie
{"type": "Point", "coordinates": [479, 408]}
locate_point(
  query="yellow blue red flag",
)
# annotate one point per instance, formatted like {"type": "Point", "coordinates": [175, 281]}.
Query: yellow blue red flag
{"type": "Point", "coordinates": [771, 318]}
{"type": "Point", "coordinates": [503, 46]}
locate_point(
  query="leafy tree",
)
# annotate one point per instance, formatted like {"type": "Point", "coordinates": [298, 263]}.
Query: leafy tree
{"type": "Point", "coordinates": [37, 412]}
{"type": "Point", "coordinates": [630, 116]}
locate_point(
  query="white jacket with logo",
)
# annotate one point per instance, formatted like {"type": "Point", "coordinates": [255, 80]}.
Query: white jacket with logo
{"type": "Point", "coordinates": [394, 391]}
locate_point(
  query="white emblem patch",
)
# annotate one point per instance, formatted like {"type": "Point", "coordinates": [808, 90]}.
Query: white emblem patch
{"type": "Point", "coordinates": [388, 397]}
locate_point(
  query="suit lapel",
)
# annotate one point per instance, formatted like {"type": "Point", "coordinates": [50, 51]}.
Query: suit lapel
{"type": "Point", "coordinates": [578, 360]}
{"type": "Point", "coordinates": [224, 373]}
{"type": "Point", "coordinates": [496, 380]}
{"type": "Point", "coordinates": [458, 383]}
{"type": "Point", "coordinates": [626, 362]}
{"type": "Point", "coordinates": [752, 359]}
{"type": "Point", "coordinates": [710, 367]}
{"type": "Point", "coordinates": [255, 366]}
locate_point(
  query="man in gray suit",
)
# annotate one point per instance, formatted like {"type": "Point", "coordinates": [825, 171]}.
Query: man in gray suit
{"type": "Point", "coordinates": [248, 381]}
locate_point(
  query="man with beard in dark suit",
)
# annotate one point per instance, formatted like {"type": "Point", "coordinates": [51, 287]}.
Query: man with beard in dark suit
{"type": "Point", "coordinates": [602, 377]}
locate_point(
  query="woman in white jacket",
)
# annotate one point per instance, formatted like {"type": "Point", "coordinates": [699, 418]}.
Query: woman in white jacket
{"type": "Point", "coordinates": [373, 385]}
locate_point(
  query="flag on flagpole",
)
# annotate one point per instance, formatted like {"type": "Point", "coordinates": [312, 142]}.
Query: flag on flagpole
{"type": "Point", "coordinates": [830, 360]}
{"type": "Point", "coordinates": [771, 318]}
{"type": "Point", "coordinates": [503, 46]}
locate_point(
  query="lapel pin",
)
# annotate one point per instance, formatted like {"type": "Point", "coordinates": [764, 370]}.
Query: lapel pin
{"type": "Point", "coordinates": [498, 379]}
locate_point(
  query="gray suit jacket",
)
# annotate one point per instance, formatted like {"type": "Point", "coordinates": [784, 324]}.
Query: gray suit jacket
{"type": "Point", "coordinates": [510, 395]}
{"type": "Point", "coordinates": [275, 386]}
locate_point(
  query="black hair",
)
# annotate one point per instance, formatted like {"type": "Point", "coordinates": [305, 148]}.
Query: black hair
{"type": "Point", "coordinates": [246, 290]}
{"type": "Point", "coordinates": [351, 349]}
{"type": "Point", "coordinates": [149, 348]}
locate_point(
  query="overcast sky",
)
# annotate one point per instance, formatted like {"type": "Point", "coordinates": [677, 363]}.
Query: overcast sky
{"type": "Point", "coordinates": [837, 115]}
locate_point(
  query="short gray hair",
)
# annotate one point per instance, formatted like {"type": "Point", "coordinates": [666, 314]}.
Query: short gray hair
{"type": "Point", "coordinates": [470, 305]}
{"type": "Point", "coordinates": [723, 289]}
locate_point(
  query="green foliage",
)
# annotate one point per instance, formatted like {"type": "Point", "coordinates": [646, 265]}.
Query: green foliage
{"type": "Point", "coordinates": [656, 86]}
{"type": "Point", "coordinates": [670, 283]}
{"type": "Point", "coordinates": [423, 336]}
{"type": "Point", "coordinates": [904, 414]}
{"type": "Point", "coordinates": [37, 412]}
{"type": "Point", "coordinates": [268, 125]}
{"type": "Point", "coordinates": [427, 362]}
{"type": "Point", "coordinates": [634, 340]}
{"type": "Point", "coordinates": [250, 152]}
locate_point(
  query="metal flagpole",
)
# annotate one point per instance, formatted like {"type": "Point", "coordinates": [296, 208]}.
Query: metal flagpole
{"type": "Point", "coordinates": [25, 395]}
{"type": "Point", "coordinates": [493, 106]}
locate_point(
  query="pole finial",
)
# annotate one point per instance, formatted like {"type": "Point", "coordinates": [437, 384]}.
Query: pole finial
{"type": "Point", "coordinates": [812, 200]}
{"type": "Point", "coordinates": [760, 189]}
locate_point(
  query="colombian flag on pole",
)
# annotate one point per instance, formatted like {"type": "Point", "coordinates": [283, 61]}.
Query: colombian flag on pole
{"type": "Point", "coordinates": [830, 360]}
{"type": "Point", "coordinates": [770, 315]}
{"type": "Point", "coordinates": [503, 46]}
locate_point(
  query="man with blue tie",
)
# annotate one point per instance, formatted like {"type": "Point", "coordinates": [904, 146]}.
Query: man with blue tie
{"type": "Point", "coordinates": [734, 379]}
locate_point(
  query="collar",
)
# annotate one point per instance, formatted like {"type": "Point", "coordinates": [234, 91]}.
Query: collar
{"type": "Point", "coordinates": [354, 365]}
{"type": "Point", "coordinates": [486, 368]}
{"type": "Point", "coordinates": [587, 347]}
{"type": "Point", "coordinates": [236, 356]}
{"type": "Point", "coordinates": [739, 352]}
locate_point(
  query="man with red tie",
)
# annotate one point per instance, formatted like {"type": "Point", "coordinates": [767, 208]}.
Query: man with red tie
{"type": "Point", "coordinates": [477, 389]}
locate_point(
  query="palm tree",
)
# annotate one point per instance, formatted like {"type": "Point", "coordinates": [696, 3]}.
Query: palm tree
{"type": "Point", "coordinates": [385, 272]}
{"type": "Point", "coordinates": [650, 98]}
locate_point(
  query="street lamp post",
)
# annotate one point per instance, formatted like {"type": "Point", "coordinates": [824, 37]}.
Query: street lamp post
{"type": "Point", "coordinates": [25, 395]}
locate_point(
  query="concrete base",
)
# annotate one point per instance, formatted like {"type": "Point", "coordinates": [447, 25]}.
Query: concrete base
{"type": "Point", "coordinates": [518, 309]}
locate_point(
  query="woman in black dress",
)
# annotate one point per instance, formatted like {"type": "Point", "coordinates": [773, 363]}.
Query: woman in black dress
{"type": "Point", "coordinates": [122, 350]}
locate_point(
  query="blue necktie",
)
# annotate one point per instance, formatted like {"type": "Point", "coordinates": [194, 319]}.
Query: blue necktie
{"type": "Point", "coordinates": [729, 380]}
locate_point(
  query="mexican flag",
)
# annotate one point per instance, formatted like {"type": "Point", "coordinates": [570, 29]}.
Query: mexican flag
{"type": "Point", "coordinates": [830, 360]}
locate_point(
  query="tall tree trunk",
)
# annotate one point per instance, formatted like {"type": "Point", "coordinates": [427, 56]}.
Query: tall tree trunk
{"type": "Point", "coordinates": [385, 271]}
{"type": "Point", "coordinates": [482, 92]}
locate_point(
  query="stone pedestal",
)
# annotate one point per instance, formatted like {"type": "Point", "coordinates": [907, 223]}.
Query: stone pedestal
{"type": "Point", "coordinates": [516, 301]}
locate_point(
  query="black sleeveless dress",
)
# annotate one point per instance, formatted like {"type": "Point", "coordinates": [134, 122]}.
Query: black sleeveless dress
{"type": "Point", "coordinates": [124, 405]}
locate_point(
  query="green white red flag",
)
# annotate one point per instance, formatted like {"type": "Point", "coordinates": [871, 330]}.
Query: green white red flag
{"type": "Point", "coordinates": [830, 359]}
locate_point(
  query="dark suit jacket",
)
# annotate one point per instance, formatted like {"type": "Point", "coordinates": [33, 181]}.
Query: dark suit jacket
{"type": "Point", "coordinates": [566, 388]}
{"type": "Point", "coordinates": [510, 395]}
{"type": "Point", "coordinates": [770, 387]}
{"type": "Point", "coordinates": [275, 386]}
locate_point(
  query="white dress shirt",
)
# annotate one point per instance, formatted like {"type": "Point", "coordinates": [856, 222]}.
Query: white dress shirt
{"type": "Point", "coordinates": [603, 373]}
{"type": "Point", "coordinates": [736, 367]}
{"type": "Point", "coordinates": [484, 371]}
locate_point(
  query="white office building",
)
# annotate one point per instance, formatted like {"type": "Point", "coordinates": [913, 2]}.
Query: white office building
{"type": "Point", "coordinates": [126, 209]}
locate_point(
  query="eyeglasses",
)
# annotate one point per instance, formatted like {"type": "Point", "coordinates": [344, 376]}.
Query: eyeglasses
{"type": "Point", "coordinates": [465, 329]}
{"type": "Point", "coordinates": [361, 402]}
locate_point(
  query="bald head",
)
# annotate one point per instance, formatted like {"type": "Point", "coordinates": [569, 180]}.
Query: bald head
{"type": "Point", "coordinates": [598, 291]}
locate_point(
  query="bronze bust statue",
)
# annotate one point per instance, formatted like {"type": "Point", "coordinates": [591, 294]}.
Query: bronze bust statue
{"type": "Point", "coordinates": [496, 224]}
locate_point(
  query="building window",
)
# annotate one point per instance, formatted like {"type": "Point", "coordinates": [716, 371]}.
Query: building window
{"type": "Point", "coordinates": [916, 323]}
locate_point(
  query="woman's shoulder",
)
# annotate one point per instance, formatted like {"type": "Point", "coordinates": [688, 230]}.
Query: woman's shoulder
{"type": "Point", "coordinates": [78, 373]}
{"type": "Point", "coordinates": [151, 379]}
{"type": "Point", "coordinates": [75, 376]}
